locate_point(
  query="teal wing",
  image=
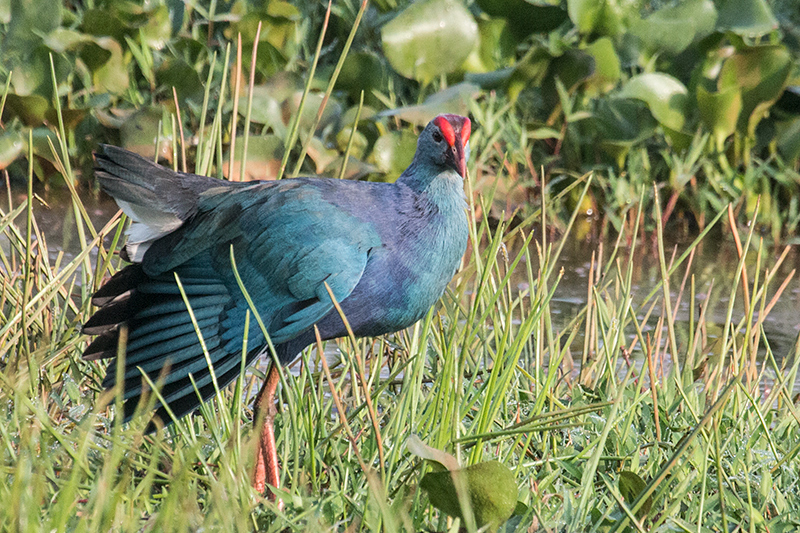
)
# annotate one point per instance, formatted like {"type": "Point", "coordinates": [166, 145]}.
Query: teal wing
{"type": "Point", "coordinates": [288, 244]}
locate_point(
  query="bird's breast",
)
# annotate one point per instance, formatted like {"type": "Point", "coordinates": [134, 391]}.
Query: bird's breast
{"type": "Point", "coordinates": [407, 276]}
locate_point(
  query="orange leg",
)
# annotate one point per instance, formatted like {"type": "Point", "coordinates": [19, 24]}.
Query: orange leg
{"type": "Point", "coordinates": [267, 470]}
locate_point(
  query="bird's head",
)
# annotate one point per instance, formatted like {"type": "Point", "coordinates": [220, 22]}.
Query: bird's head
{"type": "Point", "coordinates": [445, 143]}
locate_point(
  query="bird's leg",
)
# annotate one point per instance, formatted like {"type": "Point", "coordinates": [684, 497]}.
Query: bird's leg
{"type": "Point", "coordinates": [266, 471]}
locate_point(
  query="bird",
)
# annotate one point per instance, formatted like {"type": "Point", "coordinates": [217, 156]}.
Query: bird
{"type": "Point", "coordinates": [385, 252]}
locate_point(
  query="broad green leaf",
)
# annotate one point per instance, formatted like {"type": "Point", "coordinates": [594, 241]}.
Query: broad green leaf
{"type": "Point", "coordinates": [322, 156]}
{"type": "Point", "coordinates": [491, 487]}
{"type": "Point", "coordinates": [139, 130]}
{"type": "Point", "coordinates": [158, 29]}
{"type": "Point", "coordinates": [363, 71]}
{"type": "Point", "coordinates": [42, 138]}
{"type": "Point", "coordinates": [175, 72]}
{"type": "Point", "coordinates": [279, 27]}
{"type": "Point", "coordinates": [719, 112]}
{"type": "Point", "coordinates": [29, 21]}
{"type": "Point", "coordinates": [621, 124]}
{"type": "Point", "coordinates": [104, 22]}
{"type": "Point", "coordinates": [359, 145]}
{"type": "Point", "coordinates": [104, 57]}
{"type": "Point", "coordinates": [762, 73]}
{"type": "Point", "coordinates": [525, 17]}
{"type": "Point", "coordinates": [496, 47]}
{"type": "Point", "coordinates": [630, 486]}
{"type": "Point", "coordinates": [331, 114]}
{"type": "Point", "coordinates": [750, 18]}
{"type": "Point", "coordinates": [603, 17]}
{"type": "Point", "coordinates": [31, 73]}
{"type": "Point", "coordinates": [266, 109]}
{"type": "Point", "coordinates": [63, 39]}
{"type": "Point", "coordinates": [264, 153]}
{"type": "Point", "coordinates": [269, 60]}
{"type": "Point", "coordinates": [571, 68]}
{"type": "Point", "coordinates": [529, 71]}
{"type": "Point", "coordinates": [672, 29]}
{"type": "Point", "coordinates": [31, 109]}
{"type": "Point", "coordinates": [454, 99]}
{"type": "Point", "coordinates": [666, 97]}
{"type": "Point", "coordinates": [12, 143]}
{"type": "Point", "coordinates": [429, 38]}
{"type": "Point", "coordinates": [789, 141]}
{"type": "Point", "coordinates": [393, 152]}
{"type": "Point", "coordinates": [607, 67]}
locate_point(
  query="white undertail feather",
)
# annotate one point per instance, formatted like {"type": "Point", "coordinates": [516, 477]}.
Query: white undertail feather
{"type": "Point", "coordinates": [148, 226]}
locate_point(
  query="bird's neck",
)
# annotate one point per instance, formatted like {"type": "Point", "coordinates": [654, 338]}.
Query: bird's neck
{"type": "Point", "coordinates": [442, 188]}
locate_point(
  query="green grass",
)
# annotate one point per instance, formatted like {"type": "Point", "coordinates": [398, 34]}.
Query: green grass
{"type": "Point", "coordinates": [484, 376]}
{"type": "Point", "coordinates": [708, 444]}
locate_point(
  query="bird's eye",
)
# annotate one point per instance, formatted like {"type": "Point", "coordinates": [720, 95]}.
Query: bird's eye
{"type": "Point", "coordinates": [437, 136]}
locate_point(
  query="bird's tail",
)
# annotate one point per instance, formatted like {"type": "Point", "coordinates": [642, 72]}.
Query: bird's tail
{"type": "Point", "coordinates": [157, 199]}
{"type": "Point", "coordinates": [163, 341]}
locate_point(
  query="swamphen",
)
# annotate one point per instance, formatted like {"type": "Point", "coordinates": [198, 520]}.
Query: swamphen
{"type": "Point", "coordinates": [386, 250]}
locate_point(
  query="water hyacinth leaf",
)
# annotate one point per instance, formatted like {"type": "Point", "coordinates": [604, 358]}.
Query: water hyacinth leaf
{"type": "Point", "coordinates": [138, 132]}
{"type": "Point", "coordinates": [525, 17]}
{"type": "Point", "coordinates": [630, 486]}
{"type": "Point", "coordinates": [665, 96]}
{"type": "Point", "coordinates": [490, 81]}
{"type": "Point", "coordinates": [362, 71]}
{"type": "Point", "coordinates": [62, 39]}
{"type": "Point", "coordinates": [266, 109]}
{"type": "Point", "coordinates": [29, 20]}
{"type": "Point", "coordinates": [606, 66]}
{"type": "Point", "coordinates": [359, 144]}
{"type": "Point", "coordinates": [278, 27]}
{"type": "Point", "coordinates": [621, 124]}
{"type": "Point", "coordinates": [393, 152]}
{"type": "Point", "coordinates": [454, 99]}
{"type": "Point", "coordinates": [42, 138]}
{"type": "Point", "coordinates": [269, 60]}
{"type": "Point", "coordinates": [12, 144]}
{"type": "Point", "coordinates": [584, 14]}
{"type": "Point", "coordinates": [30, 72]}
{"type": "Point", "coordinates": [104, 22]}
{"type": "Point", "coordinates": [623, 120]}
{"type": "Point", "coordinates": [158, 29]}
{"type": "Point", "coordinates": [177, 73]}
{"type": "Point", "coordinates": [719, 112]}
{"type": "Point", "coordinates": [750, 18]}
{"type": "Point", "coordinates": [30, 109]}
{"type": "Point", "coordinates": [491, 488]}
{"type": "Point", "coordinates": [264, 153]}
{"type": "Point", "coordinates": [529, 71]}
{"type": "Point", "coordinates": [495, 48]}
{"type": "Point", "coordinates": [672, 29]}
{"type": "Point", "coordinates": [322, 156]}
{"type": "Point", "coordinates": [419, 42]}
{"type": "Point", "coordinates": [762, 73]}
{"type": "Point", "coordinates": [604, 17]}
{"type": "Point", "coordinates": [331, 114]}
{"type": "Point", "coordinates": [571, 69]}
{"type": "Point", "coordinates": [105, 59]}
{"type": "Point", "coordinates": [789, 140]}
